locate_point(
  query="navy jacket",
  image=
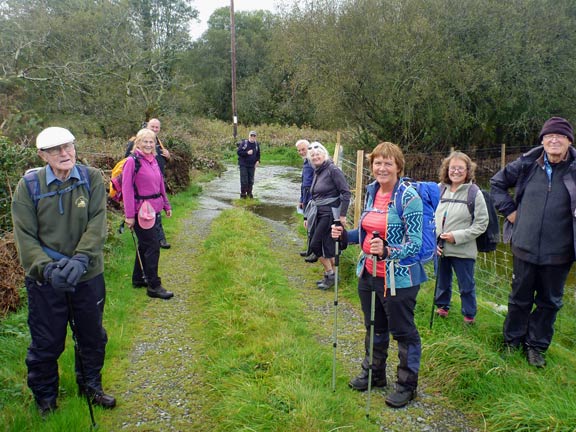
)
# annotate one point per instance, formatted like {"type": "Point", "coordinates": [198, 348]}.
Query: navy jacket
{"type": "Point", "coordinates": [244, 159]}
{"type": "Point", "coordinates": [307, 178]}
{"type": "Point", "coordinates": [540, 233]}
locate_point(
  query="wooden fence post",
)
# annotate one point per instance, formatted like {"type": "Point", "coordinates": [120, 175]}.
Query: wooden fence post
{"type": "Point", "coordinates": [359, 186]}
{"type": "Point", "coordinates": [336, 157]}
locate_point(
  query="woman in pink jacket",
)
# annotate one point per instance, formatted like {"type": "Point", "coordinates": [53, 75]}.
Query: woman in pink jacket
{"type": "Point", "coordinates": [144, 199]}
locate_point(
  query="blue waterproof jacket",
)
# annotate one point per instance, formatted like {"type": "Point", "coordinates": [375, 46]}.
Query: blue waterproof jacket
{"type": "Point", "coordinates": [404, 236]}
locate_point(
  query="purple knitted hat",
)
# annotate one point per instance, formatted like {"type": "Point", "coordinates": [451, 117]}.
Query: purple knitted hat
{"type": "Point", "coordinates": [557, 125]}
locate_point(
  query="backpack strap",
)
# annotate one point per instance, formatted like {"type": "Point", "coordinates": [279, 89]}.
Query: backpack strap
{"type": "Point", "coordinates": [33, 185]}
{"type": "Point", "coordinates": [137, 165]}
{"type": "Point", "coordinates": [472, 192]}
{"type": "Point", "coordinates": [398, 194]}
{"type": "Point", "coordinates": [470, 200]}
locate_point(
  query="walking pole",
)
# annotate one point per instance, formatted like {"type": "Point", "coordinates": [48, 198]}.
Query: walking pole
{"type": "Point", "coordinates": [335, 332]}
{"type": "Point", "coordinates": [375, 234]}
{"type": "Point", "coordinates": [79, 356]}
{"type": "Point", "coordinates": [436, 265]}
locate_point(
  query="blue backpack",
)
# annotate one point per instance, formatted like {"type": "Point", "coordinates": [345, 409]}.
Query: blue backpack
{"type": "Point", "coordinates": [430, 194]}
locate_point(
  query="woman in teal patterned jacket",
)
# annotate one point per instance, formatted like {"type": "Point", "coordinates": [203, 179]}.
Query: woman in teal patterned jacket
{"type": "Point", "coordinates": [397, 279]}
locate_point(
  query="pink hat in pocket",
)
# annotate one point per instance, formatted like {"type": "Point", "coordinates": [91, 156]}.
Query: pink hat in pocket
{"type": "Point", "coordinates": [146, 215]}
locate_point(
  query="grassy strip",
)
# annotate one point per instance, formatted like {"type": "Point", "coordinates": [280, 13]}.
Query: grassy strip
{"type": "Point", "coordinates": [260, 362]}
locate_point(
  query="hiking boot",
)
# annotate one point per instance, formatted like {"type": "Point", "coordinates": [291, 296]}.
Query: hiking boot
{"type": "Point", "coordinates": [98, 397]}
{"type": "Point", "coordinates": [327, 282]}
{"type": "Point", "coordinates": [164, 244]}
{"type": "Point", "coordinates": [303, 253]}
{"type": "Point", "coordinates": [139, 284]}
{"type": "Point", "coordinates": [441, 312]}
{"type": "Point", "coordinates": [46, 406]}
{"type": "Point", "coordinates": [400, 397]}
{"type": "Point", "coordinates": [469, 321]}
{"type": "Point", "coordinates": [311, 258]}
{"type": "Point", "coordinates": [159, 292]}
{"type": "Point", "coordinates": [535, 357]}
{"type": "Point", "coordinates": [360, 382]}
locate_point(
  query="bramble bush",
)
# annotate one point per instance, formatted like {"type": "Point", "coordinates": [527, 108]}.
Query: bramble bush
{"type": "Point", "coordinates": [14, 160]}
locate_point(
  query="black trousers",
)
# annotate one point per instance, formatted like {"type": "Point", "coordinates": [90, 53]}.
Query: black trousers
{"type": "Point", "coordinates": [321, 241]}
{"type": "Point", "coordinates": [149, 248]}
{"type": "Point", "coordinates": [246, 179]}
{"type": "Point", "coordinates": [534, 302]}
{"type": "Point", "coordinates": [392, 315]}
{"type": "Point", "coordinates": [48, 317]}
{"type": "Point", "coordinates": [159, 227]}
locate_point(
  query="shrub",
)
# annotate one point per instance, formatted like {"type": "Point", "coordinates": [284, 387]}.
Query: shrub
{"type": "Point", "coordinates": [14, 160]}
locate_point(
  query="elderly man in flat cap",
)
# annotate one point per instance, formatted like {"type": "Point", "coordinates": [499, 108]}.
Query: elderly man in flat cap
{"type": "Point", "coordinates": [59, 218]}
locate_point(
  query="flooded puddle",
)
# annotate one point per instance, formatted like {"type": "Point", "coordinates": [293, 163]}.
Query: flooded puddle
{"type": "Point", "coordinates": [276, 189]}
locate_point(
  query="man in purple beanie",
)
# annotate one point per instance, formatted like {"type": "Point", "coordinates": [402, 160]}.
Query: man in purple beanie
{"type": "Point", "coordinates": [543, 235]}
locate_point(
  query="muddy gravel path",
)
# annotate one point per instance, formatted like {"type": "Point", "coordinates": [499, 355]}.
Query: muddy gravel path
{"type": "Point", "coordinates": [163, 390]}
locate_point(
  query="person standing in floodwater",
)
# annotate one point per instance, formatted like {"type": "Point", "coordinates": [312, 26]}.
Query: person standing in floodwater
{"type": "Point", "coordinates": [248, 159]}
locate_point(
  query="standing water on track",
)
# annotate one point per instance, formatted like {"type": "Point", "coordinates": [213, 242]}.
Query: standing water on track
{"type": "Point", "coordinates": [276, 189]}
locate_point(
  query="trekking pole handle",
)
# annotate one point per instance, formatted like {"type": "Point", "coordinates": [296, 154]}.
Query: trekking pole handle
{"type": "Point", "coordinates": [375, 234]}
{"type": "Point", "coordinates": [337, 241]}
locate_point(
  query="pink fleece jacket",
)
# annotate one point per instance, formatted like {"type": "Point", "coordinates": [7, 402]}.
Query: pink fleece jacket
{"type": "Point", "coordinates": [148, 181]}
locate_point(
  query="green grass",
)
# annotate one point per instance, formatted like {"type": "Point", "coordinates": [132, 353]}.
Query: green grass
{"type": "Point", "coordinates": [260, 357]}
{"type": "Point", "coordinates": [470, 367]}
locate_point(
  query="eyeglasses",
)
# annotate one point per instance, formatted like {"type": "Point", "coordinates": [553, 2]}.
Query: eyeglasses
{"type": "Point", "coordinates": [314, 147]}
{"type": "Point", "coordinates": [457, 169]}
{"type": "Point", "coordinates": [253, 135]}
{"type": "Point", "coordinates": [552, 136]}
{"type": "Point", "coordinates": [68, 147]}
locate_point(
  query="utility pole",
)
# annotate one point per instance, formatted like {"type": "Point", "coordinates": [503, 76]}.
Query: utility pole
{"type": "Point", "coordinates": [233, 60]}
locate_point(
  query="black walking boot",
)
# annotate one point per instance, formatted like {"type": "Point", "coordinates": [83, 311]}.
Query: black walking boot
{"type": "Point", "coordinates": [311, 258]}
{"type": "Point", "coordinates": [400, 397]}
{"type": "Point", "coordinates": [98, 397]}
{"type": "Point", "coordinates": [360, 382]}
{"type": "Point", "coordinates": [159, 292]}
{"type": "Point", "coordinates": [46, 406]}
{"type": "Point", "coordinates": [327, 282]}
{"type": "Point", "coordinates": [535, 357]}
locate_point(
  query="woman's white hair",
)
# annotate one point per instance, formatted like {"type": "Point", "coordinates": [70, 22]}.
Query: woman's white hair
{"type": "Point", "coordinates": [316, 147]}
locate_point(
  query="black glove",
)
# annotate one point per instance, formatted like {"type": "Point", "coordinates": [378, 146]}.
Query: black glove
{"type": "Point", "coordinates": [50, 267]}
{"type": "Point", "coordinates": [58, 282]}
{"type": "Point", "coordinates": [74, 269]}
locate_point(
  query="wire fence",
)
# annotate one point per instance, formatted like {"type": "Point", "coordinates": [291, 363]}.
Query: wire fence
{"type": "Point", "coordinates": [493, 269]}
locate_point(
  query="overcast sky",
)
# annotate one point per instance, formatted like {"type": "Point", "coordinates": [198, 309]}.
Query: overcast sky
{"type": "Point", "coordinates": [206, 7]}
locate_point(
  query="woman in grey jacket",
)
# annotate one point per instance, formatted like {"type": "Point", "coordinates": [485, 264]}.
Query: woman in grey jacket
{"type": "Point", "coordinates": [330, 198]}
{"type": "Point", "coordinates": [458, 231]}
